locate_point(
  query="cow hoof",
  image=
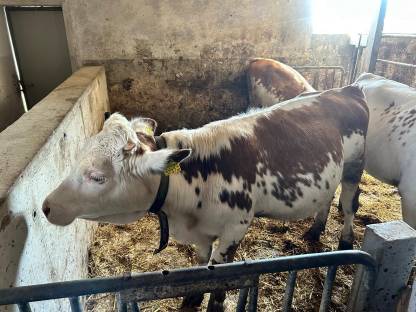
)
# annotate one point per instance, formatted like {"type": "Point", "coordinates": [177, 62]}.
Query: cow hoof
{"type": "Point", "coordinates": [312, 235]}
{"type": "Point", "coordinates": [189, 309]}
{"type": "Point", "coordinates": [192, 301]}
{"type": "Point", "coordinates": [215, 306]}
{"type": "Point", "coordinates": [344, 245]}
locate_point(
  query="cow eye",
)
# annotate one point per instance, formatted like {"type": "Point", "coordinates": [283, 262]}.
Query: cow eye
{"type": "Point", "coordinates": [98, 178]}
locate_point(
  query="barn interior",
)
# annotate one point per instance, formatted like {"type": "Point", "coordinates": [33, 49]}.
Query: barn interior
{"type": "Point", "coordinates": [63, 63]}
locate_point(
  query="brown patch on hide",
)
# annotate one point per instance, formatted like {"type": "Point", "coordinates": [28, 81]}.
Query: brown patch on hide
{"type": "Point", "coordinates": [236, 198]}
{"type": "Point", "coordinates": [281, 80]}
{"type": "Point", "coordinates": [298, 142]}
{"type": "Point", "coordinates": [147, 140]}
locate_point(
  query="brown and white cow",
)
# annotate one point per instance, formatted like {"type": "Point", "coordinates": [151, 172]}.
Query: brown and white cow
{"type": "Point", "coordinates": [390, 154]}
{"type": "Point", "coordinates": [283, 162]}
{"type": "Point", "coordinates": [271, 82]}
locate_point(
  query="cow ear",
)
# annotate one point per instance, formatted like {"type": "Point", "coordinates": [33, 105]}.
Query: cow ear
{"type": "Point", "coordinates": [144, 125]}
{"type": "Point", "coordinates": [179, 155]}
{"type": "Point", "coordinates": [167, 161]}
{"type": "Point", "coordinates": [129, 148]}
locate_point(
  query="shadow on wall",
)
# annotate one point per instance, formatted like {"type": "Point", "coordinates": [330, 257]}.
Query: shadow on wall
{"type": "Point", "coordinates": [14, 230]}
{"type": "Point", "coordinates": [176, 92]}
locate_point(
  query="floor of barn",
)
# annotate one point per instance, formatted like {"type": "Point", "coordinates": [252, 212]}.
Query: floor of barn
{"type": "Point", "coordinates": [119, 249]}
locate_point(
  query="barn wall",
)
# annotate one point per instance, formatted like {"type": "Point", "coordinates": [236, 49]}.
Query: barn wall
{"type": "Point", "coordinates": [10, 104]}
{"type": "Point", "coordinates": [37, 152]}
{"type": "Point", "coordinates": [400, 49]}
{"type": "Point", "coordinates": [182, 61]}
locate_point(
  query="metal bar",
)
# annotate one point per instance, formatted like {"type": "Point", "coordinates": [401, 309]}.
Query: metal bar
{"type": "Point", "coordinates": [253, 296]}
{"type": "Point", "coordinates": [409, 36]}
{"type": "Point", "coordinates": [374, 39]}
{"type": "Point", "coordinates": [290, 288]}
{"type": "Point", "coordinates": [121, 305]}
{"type": "Point", "coordinates": [75, 304]}
{"type": "Point", "coordinates": [397, 63]}
{"type": "Point", "coordinates": [24, 307]}
{"type": "Point", "coordinates": [319, 67]}
{"type": "Point", "coordinates": [134, 306]}
{"type": "Point", "coordinates": [242, 300]}
{"type": "Point", "coordinates": [327, 291]}
{"type": "Point", "coordinates": [215, 274]}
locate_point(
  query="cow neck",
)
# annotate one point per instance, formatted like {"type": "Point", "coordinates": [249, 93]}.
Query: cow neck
{"type": "Point", "coordinates": [159, 201]}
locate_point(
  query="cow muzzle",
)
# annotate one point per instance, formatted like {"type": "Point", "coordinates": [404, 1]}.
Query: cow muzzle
{"type": "Point", "coordinates": [55, 214]}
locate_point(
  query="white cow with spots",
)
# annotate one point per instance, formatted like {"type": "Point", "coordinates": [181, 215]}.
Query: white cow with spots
{"type": "Point", "coordinates": [391, 138]}
{"type": "Point", "coordinates": [282, 162]}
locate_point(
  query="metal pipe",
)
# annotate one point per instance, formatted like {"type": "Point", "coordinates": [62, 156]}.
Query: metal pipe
{"type": "Point", "coordinates": [211, 276]}
{"type": "Point", "coordinates": [75, 304]}
{"type": "Point", "coordinates": [134, 306]}
{"type": "Point", "coordinates": [253, 296]}
{"type": "Point", "coordinates": [327, 291]}
{"type": "Point", "coordinates": [121, 305]}
{"type": "Point", "coordinates": [397, 63]}
{"type": "Point", "coordinates": [242, 300]}
{"type": "Point", "coordinates": [407, 36]}
{"type": "Point", "coordinates": [290, 288]}
{"type": "Point", "coordinates": [24, 307]}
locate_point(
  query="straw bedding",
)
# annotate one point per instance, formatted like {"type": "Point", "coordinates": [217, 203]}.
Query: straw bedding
{"type": "Point", "coordinates": [119, 249]}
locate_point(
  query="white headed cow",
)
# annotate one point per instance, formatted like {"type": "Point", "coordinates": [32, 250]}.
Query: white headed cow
{"type": "Point", "coordinates": [283, 162]}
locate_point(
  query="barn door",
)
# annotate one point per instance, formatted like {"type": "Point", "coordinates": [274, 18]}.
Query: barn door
{"type": "Point", "coordinates": [41, 49]}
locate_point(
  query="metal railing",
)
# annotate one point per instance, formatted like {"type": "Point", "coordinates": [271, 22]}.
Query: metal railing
{"type": "Point", "coordinates": [330, 70]}
{"type": "Point", "coordinates": [244, 275]}
{"type": "Point", "coordinates": [408, 65]}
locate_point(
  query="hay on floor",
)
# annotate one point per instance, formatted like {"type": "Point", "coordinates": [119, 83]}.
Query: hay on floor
{"type": "Point", "coordinates": [129, 248]}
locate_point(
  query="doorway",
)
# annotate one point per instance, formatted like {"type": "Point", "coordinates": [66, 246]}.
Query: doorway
{"type": "Point", "coordinates": [41, 49]}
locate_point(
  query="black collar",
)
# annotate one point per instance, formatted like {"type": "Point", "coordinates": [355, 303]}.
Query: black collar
{"type": "Point", "coordinates": [157, 204]}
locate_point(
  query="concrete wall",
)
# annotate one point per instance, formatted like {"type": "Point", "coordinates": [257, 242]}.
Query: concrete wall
{"type": "Point", "coordinates": [400, 49]}
{"type": "Point", "coordinates": [37, 152]}
{"type": "Point", "coordinates": [10, 104]}
{"type": "Point", "coordinates": [181, 62]}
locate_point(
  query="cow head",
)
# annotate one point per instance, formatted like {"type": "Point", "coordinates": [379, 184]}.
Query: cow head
{"type": "Point", "coordinates": [116, 176]}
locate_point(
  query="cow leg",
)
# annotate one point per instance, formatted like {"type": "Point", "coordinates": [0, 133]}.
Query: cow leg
{"type": "Point", "coordinates": [355, 202]}
{"type": "Point", "coordinates": [225, 253]}
{"type": "Point", "coordinates": [351, 177]}
{"type": "Point", "coordinates": [346, 198]}
{"type": "Point", "coordinates": [193, 301]}
{"type": "Point", "coordinates": [408, 198]}
{"type": "Point", "coordinates": [318, 226]}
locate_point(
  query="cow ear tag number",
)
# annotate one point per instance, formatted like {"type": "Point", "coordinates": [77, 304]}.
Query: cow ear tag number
{"type": "Point", "coordinates": [172, 168]}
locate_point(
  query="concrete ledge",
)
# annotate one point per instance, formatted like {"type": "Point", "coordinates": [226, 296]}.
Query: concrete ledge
{"type": "Point", "coordinates": [36, 153]}
{"type": "Point", "coordinates": [21, 141]}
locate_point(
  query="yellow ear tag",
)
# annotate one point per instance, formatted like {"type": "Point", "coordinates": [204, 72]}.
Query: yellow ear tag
{"type": "Point", "coordinates": [172, 168]}
{"type": "Point", "coordinates": [148, 130]}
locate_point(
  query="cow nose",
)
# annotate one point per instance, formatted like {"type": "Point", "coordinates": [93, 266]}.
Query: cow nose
{"type": "Point", "coordinates": [45, 208]}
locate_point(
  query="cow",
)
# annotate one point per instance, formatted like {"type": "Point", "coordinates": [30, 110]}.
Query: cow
{"type": "Point", "coordinates": [271, 82]}
{"type": "Point", "coordinates": [283, 162]}
{"type": "Point", "coordinates": [392, 106]}
{"type": "Point", "coordinates": [391, 150]}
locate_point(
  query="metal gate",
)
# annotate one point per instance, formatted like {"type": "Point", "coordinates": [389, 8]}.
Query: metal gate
{"type": "Point", "coordinates": [323, 77]}
{"type": "Point", "coordinates": [132, 289]}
